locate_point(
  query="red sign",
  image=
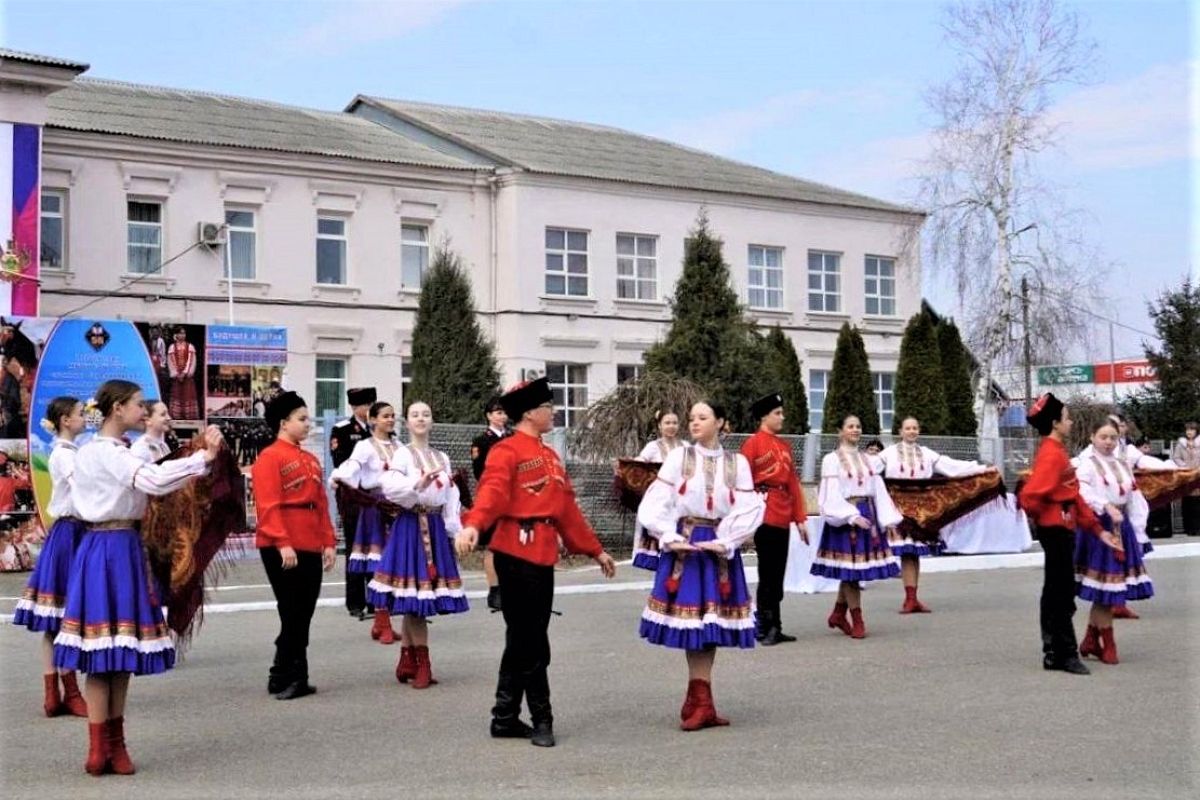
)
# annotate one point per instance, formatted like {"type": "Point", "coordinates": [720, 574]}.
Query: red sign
{"type": "Point", "coordinates": [1126, 372]}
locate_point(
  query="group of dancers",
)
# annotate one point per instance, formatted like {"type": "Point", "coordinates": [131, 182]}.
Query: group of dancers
{"type": "Point", "coordinates": [100, 609]}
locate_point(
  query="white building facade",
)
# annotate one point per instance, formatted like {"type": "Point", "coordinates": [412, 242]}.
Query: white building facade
{"type": "Point", "coordinates": [573, 235]}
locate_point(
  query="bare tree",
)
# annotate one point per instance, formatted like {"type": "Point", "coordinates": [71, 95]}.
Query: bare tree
{"type": "Point", "coordinates": [993, 219]}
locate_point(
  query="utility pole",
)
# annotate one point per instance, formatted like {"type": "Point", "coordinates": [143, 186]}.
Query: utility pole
{"type": "Point", "coordinates": [1112, 363]}
{"type": "Point", "coordinates": [1028, 356]}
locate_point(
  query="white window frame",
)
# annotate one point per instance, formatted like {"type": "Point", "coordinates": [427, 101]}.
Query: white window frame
{"type": "Point", "coordinates": [830, 300]}
{"type": "Point", "coordinates": [817, 397]}
{"type": "Point", "coordinates": [564, 253]}
{"type": "Point", "coordinates": [637, 369]}
{"type": "Point", "coordinates": [340, 411]}
{"type": "Point", "coordinates": [230, 231]}
{"type": "Point", "coordinates": [641, 288]}
{"type": "Point", "coordinates": [60, 215]}
{"type": "Point", "coordinates": [416, 246]}
{"type": "Point", "coordinates": [770, 298]}
{"type": "Point", "coordinates": [878, 300]}
{"type": "Point", "coordinates": [156, 226]}
{"type": "Point", "coordinates": [344, 238]}
{"type": "Point", "coordinates": [886, 415]}
{"type": "Point", "coordinates": [567, 414]}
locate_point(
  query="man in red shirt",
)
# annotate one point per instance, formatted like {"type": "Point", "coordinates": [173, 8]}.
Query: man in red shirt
{"type": "Point", "coordinates": [294, 536]}
{"type": "Point", "coordinates": [774, 474]}
{"type": "Point", "coordinates": [1050, 496]}
{"type": "Point", "coordinates": [526, 494]}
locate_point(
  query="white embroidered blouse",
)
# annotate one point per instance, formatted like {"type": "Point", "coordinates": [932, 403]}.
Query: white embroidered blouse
{"type": "Point", "coordinates": [914, 461]}
{"type": "Point", "coordinates": [149, 449]}
{"type": "Point", "coordinates": [1107, 480]}
{"type": "Point", "coordinates": [850, 473]}
{"type": "Point", "coordinates": [112, 483]}
{"type": "Point", "coordinates": [657, 451]}
{"type": "Point", "coordinates": [62, 478]}
{"type": "Point", "coordinates": [364, 468]}
{"type": "Point", "coordinates": [399, 484]}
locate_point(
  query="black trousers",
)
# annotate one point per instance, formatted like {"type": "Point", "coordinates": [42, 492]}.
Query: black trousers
{"type": "Point", "coordinates": [771, 543]}
{"type": "Point", "coordinates": [1058, 593]}
{"type": "Point", "coordinates": [1191, 515]}
{"type": "Point", "coordinates": [356, 583]}
{"type": "Point", "coordinates": [296, 592]}
{"type": "Point", "coordinates": [528, 591]}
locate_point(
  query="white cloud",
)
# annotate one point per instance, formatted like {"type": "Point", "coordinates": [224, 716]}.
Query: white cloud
{"type": "Point", "coordinates": [367, 22]}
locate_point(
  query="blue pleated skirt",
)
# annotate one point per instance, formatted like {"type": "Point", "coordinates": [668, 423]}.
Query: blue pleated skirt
{"type": "Point", "coordinates": [848, 553]}
{"type": "Point", "coordinates": [1101, 578]}
{"type": "Point", "coordinates": [403, 584]}
{"type": "Point", "coordinates": [44, 600]}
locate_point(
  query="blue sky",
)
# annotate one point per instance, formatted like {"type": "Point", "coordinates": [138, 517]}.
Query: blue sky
{"type": "Point", "coordinates": [829, 91]}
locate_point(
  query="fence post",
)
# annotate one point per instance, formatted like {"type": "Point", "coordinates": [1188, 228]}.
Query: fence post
{"type": "Point", "coordinates": [812, 451]}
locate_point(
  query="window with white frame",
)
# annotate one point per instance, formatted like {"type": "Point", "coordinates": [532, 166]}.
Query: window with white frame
{"type": "Point", "coordinates": [885, 397]}
{"type": "Point", "coordinates": [566, 262]}
{"type": "Point", "coordinates": [54, 229]}
{"type": "Point", "coordinates": [241, 249]}
{"type": "Point", "coordinates": [637, 267]}
{"type": "Point", "coordinates": [405, 383]}
{"type": "Point", "coordinates": [331, 250]}
{"type": "Point", "coordinates": [766, 277]}
{"type": "Point", "coordinates": [331, 386]}
{"type": "Point", "coordinates": [824, 281]}
{"type": "Point", "coordinates": [569, 384]}
{"type": "Point", "coordinates": [414, 255]}
{"type": "Point", "coordinates": [144, 230]}
{"type": "Point", "coordinates": [818, 387]}
{"type": "Point", "coordinates": [628, 372]}
{"type": "Point", "coordinates": [880, 289]}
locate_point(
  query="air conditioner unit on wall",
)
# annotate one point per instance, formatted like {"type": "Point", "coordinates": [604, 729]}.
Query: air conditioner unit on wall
{"type": "Point", "coordinates": [211, 233]}
{"type": "Point", "coordinates": [531, 374]}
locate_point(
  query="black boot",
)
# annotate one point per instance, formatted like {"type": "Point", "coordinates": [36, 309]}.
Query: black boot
{"type": "Point", "coordinates": [493, 598]}
{"type": "Point", "coordinates": [506, 714]}
{"type": "Point", "coordinates": [760, 624]}
{"type": "Point", "coordinates": [298, 685]}
{"type": "Point", "coordinates": [537, 693]}
{"type": "Point", "coordinates": [774, 633]}
{"type": "Point", "coordinates": [277, 676]}
{"type": "Point", "coordinates": [1070, 664]}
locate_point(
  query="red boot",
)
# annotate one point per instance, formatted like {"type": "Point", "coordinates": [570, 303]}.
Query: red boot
{"type": "Point", "coordinates": [1108, 654]}
{"type": "Point", "coordinates": [72, 698]}
{"type": "Point", "coordinates": [97, 758]}
{"type": "Point", "coordinates": [52, 702]}
{"type": "Point", "coordinates": [704, 713]}
{"type": "Point", "coordinates": [118, 756]}
{"type": "Point", "coordinates": [1124, 612]}
{"type": "Point", "coordinates": [858, 630]}
{"type": "Point", "coordinates": [1090, 646]}
{"type": "Point", "coordinates": [917, 605]}
{"type": "Point", "coordinates": [689, 703]}
{"type": "Point", "coordinates": [424, 677]}
{"type": "Point", "coordinates": [382, 629]}
{"type": "Point", "coordinates": [406, 667]}
{"type": "Point", "coordinates": [838, 618]}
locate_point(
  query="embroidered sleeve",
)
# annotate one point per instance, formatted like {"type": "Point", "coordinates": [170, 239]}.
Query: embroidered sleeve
{"type": "Point", "coordinates": [747, 511]}
{"type": "Point", "coordinates": [833, 506]}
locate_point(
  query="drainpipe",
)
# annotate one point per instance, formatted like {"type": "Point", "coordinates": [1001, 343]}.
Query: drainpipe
{"type": "Point", "coordinates": [494, 261]}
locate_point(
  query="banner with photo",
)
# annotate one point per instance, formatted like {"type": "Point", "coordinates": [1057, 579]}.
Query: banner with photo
{"type": "Point", "coordinates": [244, 371]}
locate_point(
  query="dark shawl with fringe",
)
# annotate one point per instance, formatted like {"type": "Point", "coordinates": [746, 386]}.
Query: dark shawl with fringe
{"type": "Point", "coordinates": [185, 531]}
{"type": "Point", "coordinates": [930, 504]}
{"type": "Point", "coordinates": [632, 479]}
{"type": "Point", "coordinates": [1163, 487]}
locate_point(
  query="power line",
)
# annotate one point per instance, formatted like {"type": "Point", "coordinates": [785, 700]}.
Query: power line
{"type": "Point", "coordinates": [1062, 299]}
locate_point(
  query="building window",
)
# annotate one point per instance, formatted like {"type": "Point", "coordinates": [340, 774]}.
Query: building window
{"type": "Point", "coordinates": [881, 286]}
{"type": "Point", "coordinates": [242, 247]}
{"type": "Point", "coordinates": [566, 262]}
{"type": "Point", "coordinates": [824, 282]}
{"type": "Point", "coordinates": [569, 383]}
{"type": "Point", "coordinates": [414, 255]}
{"type": "Point", "coordinates": [885, 397]}
{"type": "Point", "coordinates": [54, 229]}
{"type": "Point", "coordinates": [766, 277]}
{"type": "Point", "coordinates": [818, 386]}
{"type": "Point", "coordinates": [628, 372]}
{"type": "Point", "coordinates": [144, 237]}
{"type": "Point", "coordinates": [331, 250]}
{"type": "Point", "coordinates": [637, 267]}
{"type": "Point", "coordinates": [405, 382]}
{"type": "Point", "coordinates": [331, 386]}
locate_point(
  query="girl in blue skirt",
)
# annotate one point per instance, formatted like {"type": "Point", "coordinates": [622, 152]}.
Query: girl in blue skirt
{"type": "Point", "coordinates": [418, 575]}
{"type": "Point", "coordinates": [113, 621]}
{"type": "Point", "coordinates": [41, 605]}
{"type": "Point", "coordinates": [1109, 570]}
{"type": "Point", "coordinates": [702, 507]}
{"type": "Point", "coordinates": [859, 519]}
{"type": "Point", "coordinates": [645, 545]}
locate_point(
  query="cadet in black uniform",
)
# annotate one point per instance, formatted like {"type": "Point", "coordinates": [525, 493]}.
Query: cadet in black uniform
{"type": "Point", "coordinates": [497, 420]}
{"type": "Point", "coordinates": [346, 434]}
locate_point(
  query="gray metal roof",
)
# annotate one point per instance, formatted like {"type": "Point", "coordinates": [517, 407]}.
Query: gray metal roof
{"type": "Point", "coordinates": [580, 149]}
{"type": "Point", "coordinates": [184, 116]}
{"type": "Point", "coordinates": [34, 58]}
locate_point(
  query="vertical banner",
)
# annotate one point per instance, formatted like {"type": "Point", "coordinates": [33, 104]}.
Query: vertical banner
{"type": "Point", "coordinates": [20, 210]}
{"type": "Point", "coordinates": [244, 371]}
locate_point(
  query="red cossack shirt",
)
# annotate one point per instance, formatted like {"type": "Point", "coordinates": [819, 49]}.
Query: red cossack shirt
{"type": "Point", "coordinates": [289, 497]}
{"type": "Point", "coordinates": [525, 480]}
{"type": "Point", "coordinates": [774, 474]}
{"type": "Point", "coordinates": [1051, 493]}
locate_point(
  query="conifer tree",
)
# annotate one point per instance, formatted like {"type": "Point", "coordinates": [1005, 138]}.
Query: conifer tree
{"type": "Point", "coordinates": [454, 366]}
{"type": "Point", "coordinates": [920, 392]}
{"type": "Point", "coordinates": [956, 381]}
{"type": "Point", "coordinates": [789, 380]}
{"type": "Point", "coordinates": [851, 390]}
